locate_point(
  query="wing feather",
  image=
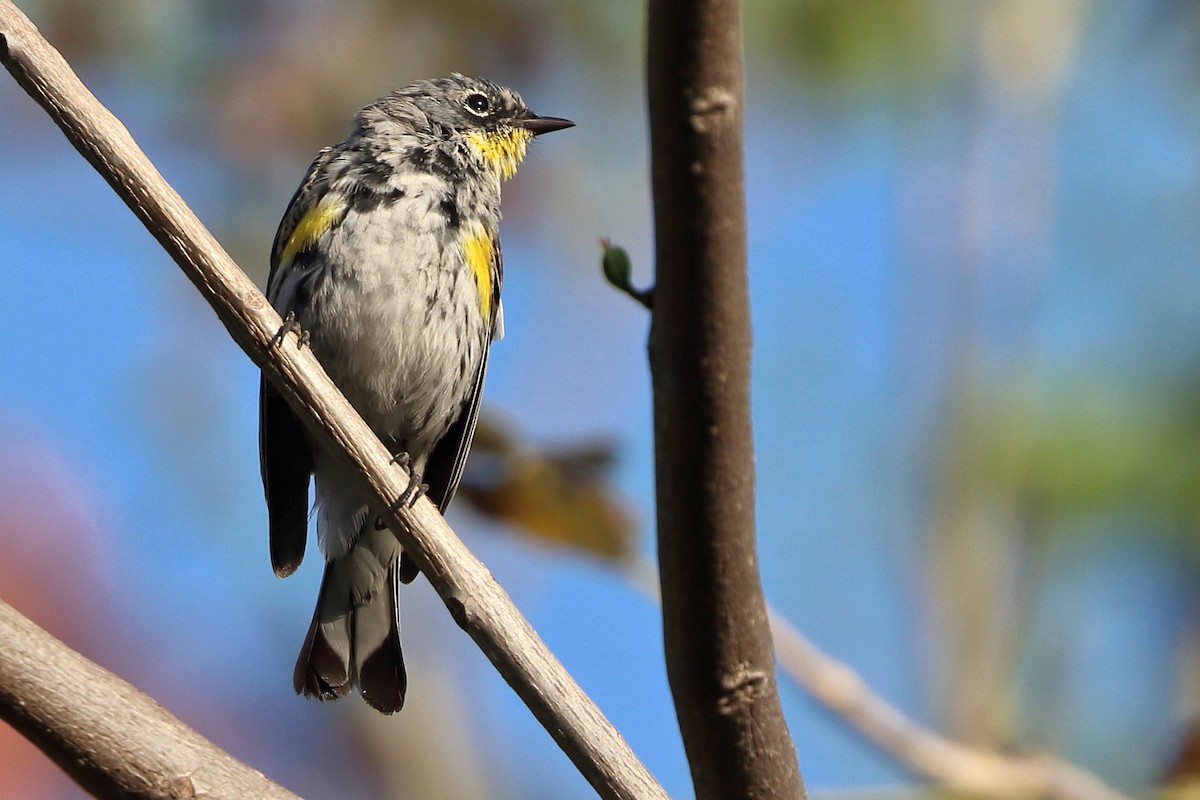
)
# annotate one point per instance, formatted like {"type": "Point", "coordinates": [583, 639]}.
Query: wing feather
{"type": "Point", "coordinates": [286, 463]}
{"type": "Point", "coordinates": [306, 196]}
{"type": "Point", "coordinates": [285, 458]}
{"type": "Point", "coordinates": [444, 469]}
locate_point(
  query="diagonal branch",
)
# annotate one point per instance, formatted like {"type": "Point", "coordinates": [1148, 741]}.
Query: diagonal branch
{"type": "Point", "coordinates": [952, 765]}
{"type": "Point", "coordinates": [922, 751]}
{"type": "Point", "coordinates": [110, 738]}
{"type": "Point", "coordinates": [476, 602]}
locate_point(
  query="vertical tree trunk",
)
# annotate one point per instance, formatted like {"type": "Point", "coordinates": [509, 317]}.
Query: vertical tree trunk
{"type": "Point", "coordinates": [718, 645]}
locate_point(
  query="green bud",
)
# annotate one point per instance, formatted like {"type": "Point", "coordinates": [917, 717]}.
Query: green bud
{"type": "Point", "coordinates": [617, 266]}
{"type": "Point", "coordinates": [617, 269]}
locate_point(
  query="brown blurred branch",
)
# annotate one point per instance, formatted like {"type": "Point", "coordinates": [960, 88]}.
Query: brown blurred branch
{"type": "Point", "coordinates": [718, 643]}
{"type": "Point", "coordinates": [477, 603]}
{"type": "Point", "coordinates": [949, 764]}
{"type": "Point", "coordinates": [110, 738]}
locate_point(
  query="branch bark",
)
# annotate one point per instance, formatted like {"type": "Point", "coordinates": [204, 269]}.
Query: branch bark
{"type": "Point", "coordinates": [110, 738]}
{"type": "Point", "coordinates": [718, 643]}
{"type": "Point", "coordinates": [476, 602]}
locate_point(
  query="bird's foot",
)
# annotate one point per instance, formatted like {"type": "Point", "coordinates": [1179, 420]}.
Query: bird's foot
{"type": "Point", "coordinates": [411, 494]}
{"type": "Point", "coordinates": [291, 325]}
{"type": "Point", "coordinates": [414, 492]}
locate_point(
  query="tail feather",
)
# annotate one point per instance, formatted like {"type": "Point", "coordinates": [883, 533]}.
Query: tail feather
{"type": "Point", "coordinates": [354, 639]}
{"type": "Point", "coordinates": [378, 658]}
{"type": "Point", "coordinates": [322, 669]}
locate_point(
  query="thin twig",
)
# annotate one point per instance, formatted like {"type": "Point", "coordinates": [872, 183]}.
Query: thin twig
{"type": "Point", "coordinates": [949, 764]}
{"type": "Point", "coordinates": [478, 604]}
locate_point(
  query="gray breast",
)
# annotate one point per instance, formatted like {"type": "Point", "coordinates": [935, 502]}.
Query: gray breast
{"type": "Point", "coordinates": [398, 324]}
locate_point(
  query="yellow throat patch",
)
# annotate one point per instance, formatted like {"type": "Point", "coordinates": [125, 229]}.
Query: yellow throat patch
{"type": "Point", "coordinates": [503, 148]}
{"type": "Point", "coordinates": [478, 249]}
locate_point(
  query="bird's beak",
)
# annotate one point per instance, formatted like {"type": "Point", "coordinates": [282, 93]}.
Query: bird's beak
{"type": "Point", "coordinates": [539, 125]}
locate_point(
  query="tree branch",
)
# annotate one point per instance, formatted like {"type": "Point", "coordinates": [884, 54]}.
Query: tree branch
{"type": "Point", "coordinates": [923, 752]}
{"type": "Point", "coordinates": [477, 603]}
{"type": "Point", "coordinates": [947, 763]}
{"type": "Point", "coordinates": [718, 643]}
{"type": "Point", "coordinates": [110, 738]}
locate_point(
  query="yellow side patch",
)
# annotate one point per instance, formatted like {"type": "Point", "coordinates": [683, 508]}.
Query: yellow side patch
{"type": "Point", "coordinates": [477, 248]}
{"type": "Point", "coordinates": [503, 148]}
{"type": "Point", "coordinates": [310, 227]}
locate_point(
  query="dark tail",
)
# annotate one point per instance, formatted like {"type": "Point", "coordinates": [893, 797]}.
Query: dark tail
{"type": "Point", "coordinates": [354, 639]}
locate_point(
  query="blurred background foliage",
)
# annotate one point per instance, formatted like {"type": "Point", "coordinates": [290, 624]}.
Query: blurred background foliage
{"type": "Point", "coordinates": [973, 268]}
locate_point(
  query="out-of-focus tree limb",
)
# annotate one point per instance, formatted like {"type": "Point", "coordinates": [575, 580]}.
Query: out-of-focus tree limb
{"type": "Point", "coordinates": [949, 764]}
{"type": "Point", "coordinates": [477, 603]}
{"type": "Point", "coordinates": [718, 642]}
{"type": "Point", "coordinates": [921, 751]}
{"type": "Point", "coordinates": [110, 738]}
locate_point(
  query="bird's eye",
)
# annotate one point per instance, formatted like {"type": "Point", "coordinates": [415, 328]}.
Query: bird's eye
{"type": "Point", "coordinates": [478, 104]}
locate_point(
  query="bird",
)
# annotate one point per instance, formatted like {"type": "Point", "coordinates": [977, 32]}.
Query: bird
{"type": "Point", "coordinates": [387, 262]}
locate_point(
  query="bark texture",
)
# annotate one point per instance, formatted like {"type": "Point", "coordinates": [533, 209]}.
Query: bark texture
{"type": "Point", "coordinates": [718, 642]}
{"type": "Point", "coordinates": [110, 738]}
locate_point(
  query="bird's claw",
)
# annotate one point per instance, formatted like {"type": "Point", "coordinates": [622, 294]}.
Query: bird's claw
{"type": "Point", "coordinates": [291, 325]}
{"type": "Point", "coordinates": [411, 494]}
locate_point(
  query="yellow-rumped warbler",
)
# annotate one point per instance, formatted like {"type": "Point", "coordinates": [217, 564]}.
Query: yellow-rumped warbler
{"type": "Point", "coordinates": [388, 258]}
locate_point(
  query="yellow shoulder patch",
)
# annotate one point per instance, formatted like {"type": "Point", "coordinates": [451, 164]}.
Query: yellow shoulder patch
{"type": "Point", "coordinates": [478, 249]}
{"type": "Point", "coordinates": [504, 148]}
{"type": "Point", "coordinates": [315, 222]}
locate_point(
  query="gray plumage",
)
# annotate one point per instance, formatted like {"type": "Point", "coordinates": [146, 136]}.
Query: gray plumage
{"type": "Point", "coordinates": [389, 258]}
